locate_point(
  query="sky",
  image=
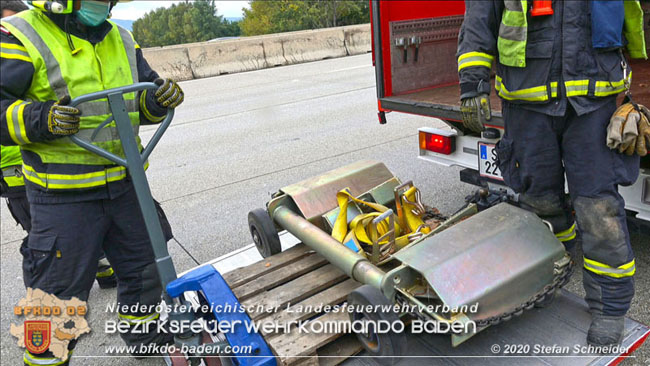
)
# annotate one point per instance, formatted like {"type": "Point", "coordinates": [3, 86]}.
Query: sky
{"type": "Point", "coordinates": [136, 9]}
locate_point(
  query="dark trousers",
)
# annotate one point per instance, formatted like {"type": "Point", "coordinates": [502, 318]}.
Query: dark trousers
{"type": "Point", "coordinates": [66, 239]}
{"type": "Point", "coordinates": [19, 208]}
{"type": "Point", "coordinates": [536, 153]}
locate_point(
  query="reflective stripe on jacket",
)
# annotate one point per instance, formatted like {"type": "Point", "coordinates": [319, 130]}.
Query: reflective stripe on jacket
{"type": "Point", "coordinates": [11, 164]}
{"type": "Point", "coordinates": [61, 164]}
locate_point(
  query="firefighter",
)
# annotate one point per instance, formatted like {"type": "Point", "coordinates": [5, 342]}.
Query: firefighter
{"type": "Point", "coordinates": [12, 187]}
{"type": "Point", "coordinates": [558, 72]}
{"type": "Point", "coordinates": [80, 203]}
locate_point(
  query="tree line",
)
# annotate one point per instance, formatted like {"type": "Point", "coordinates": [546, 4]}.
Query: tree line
{"type": "Point", "coordinates": [198, 21]}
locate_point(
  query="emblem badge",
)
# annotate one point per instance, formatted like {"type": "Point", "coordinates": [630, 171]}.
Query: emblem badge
{"type": "Point", "coordinates": [37, 335]}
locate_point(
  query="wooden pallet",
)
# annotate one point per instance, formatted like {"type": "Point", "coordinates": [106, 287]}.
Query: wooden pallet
{"type": "Point", "coordinates": [296, 279]}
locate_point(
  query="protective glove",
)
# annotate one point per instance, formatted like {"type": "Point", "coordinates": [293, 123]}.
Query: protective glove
{"type": "Point", "coordinates": [63, 120]}
{"type": "Point", "coordinates": [476, 111]}
{"type": "Point", "coordinates": [622, 129]}
{"type": "Point", "coordinates": [643, 140]}
{"type": "Point", "coordinates": [169, 94]}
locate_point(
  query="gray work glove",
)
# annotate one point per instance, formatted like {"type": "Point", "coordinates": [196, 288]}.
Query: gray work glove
{"type": "Point", "coordinates": [169, 94]}
{"type": "Point", "coordinates": [476, 111]}
{"type": "Point", "coordinates": [629, 130]}
{"type": "Point", "coordinates": [63, 120]}
{"type": "Point", "coordinates": [622, 129]}
{"type": "Point", "coordinates": [643, 140]}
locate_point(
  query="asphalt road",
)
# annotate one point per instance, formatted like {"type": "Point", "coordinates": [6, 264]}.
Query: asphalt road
{"type": "Point", "coordinates": [239, 138]}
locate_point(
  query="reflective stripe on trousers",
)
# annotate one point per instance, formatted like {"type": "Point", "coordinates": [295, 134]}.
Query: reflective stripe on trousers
{"type": "Point", "coordinates": [568, 234]}
{"type": "Point", "coordinates": [625, 270]}
{"type": "Point", "coordinates": [33, 360]}
{"type": "Point", "coordinates": [132, 319]}
{"type": "Point", "coordinates": [107, 273]}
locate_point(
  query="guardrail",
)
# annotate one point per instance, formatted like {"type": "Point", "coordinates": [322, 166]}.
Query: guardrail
{"type": "Point", "coordinates": [205, 59]}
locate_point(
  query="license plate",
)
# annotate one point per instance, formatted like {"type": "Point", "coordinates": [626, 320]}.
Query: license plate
{"type": "Point", "coordinates": [487, 161]}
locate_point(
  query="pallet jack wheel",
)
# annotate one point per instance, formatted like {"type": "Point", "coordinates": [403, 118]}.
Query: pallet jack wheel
{"type": "Point", "coordinates": [179, 359]}
{"type": "Point", "coordinates": [263, 231]}
{"type": "Point", "coordinates": [386, 346]}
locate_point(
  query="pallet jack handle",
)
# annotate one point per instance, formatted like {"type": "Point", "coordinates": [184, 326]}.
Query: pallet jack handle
{"type": "Point", "coordinates": [134, 161]}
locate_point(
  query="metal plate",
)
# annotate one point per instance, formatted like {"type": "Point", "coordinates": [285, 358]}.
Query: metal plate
{"type": "Point", "coordinates": [316, 196]}
{"type": "Point", "coordinates": [436, 63]}
{"type": "Point", "coordinates": [384, 194]}
{"type": "Point", "coordinates": [499, 258]}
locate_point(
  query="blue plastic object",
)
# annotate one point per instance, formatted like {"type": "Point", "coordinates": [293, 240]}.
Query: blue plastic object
{"type": "Point", "coordinates": [607, 17]}
{"type": "Point", "coordinates": [217, 292]}
{"type": "Point", "coordinates": [351, 245]}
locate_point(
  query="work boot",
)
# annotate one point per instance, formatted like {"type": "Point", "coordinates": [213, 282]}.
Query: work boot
{"type": "Point", "coordinates": [105, 275]}
{"type": "Point", "coordinates": [605, 330]}
{"type": "Point", "coordinates": [106, 279]}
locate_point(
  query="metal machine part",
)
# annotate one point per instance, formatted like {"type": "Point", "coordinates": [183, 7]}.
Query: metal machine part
{"type": "Point", "coordinates": [316, 196]}
{"type": "Point", "coordinates": [353, 264]}
{"type": "Point", "coordinates": [503, 258]}
{"type": "Point", "coordinates": [498, 258]}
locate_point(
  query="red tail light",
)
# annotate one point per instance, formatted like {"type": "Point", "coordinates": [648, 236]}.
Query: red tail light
{"type": "Point", "coordinates": [442, 144]}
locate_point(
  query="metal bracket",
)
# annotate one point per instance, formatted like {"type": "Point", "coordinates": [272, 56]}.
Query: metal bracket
{"type": "Point", "coordinates": [376, 239]}
{"type": "Point", "coordinates": [399, 191]}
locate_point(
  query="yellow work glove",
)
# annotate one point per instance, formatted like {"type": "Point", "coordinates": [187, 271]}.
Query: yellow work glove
{"type": "Point", "coordinates": [622, 129]}
{"type": "Point", "coordinates": [643, 140]}
{"type": "Point", "coordinates": [476, 111]}
{"type": "Point", "coordinates": [63, 120]}
{"type": "Point", "coordinates": [169, 94]}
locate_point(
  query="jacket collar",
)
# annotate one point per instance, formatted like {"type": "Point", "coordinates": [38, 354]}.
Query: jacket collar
{"type": "Point", "coordinates": [93, 35]}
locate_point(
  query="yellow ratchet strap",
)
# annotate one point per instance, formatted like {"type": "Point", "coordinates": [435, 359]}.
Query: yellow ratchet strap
{"type": "Point", "coordinates": [359, 228]}
{"type": "Point", "coordinates": [412, 220]}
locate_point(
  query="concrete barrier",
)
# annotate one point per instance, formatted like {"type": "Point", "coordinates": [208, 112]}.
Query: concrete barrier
{"type": "Point", "coordinates": [305, 46]}
{"type": "Point", "coordinates": [358, 39]}
{"type": "Point", "coordinates": [205, 59]}
{"type": "Point", "coordinates": [225, 57]}
{"type": "Point", "coordinates": [170, 62]}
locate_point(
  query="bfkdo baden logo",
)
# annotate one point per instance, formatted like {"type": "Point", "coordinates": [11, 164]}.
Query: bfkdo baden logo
{"type": "Point", "coordinates": [37, 335]}
{"type": "Point", "coordinates": [49, 324]}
